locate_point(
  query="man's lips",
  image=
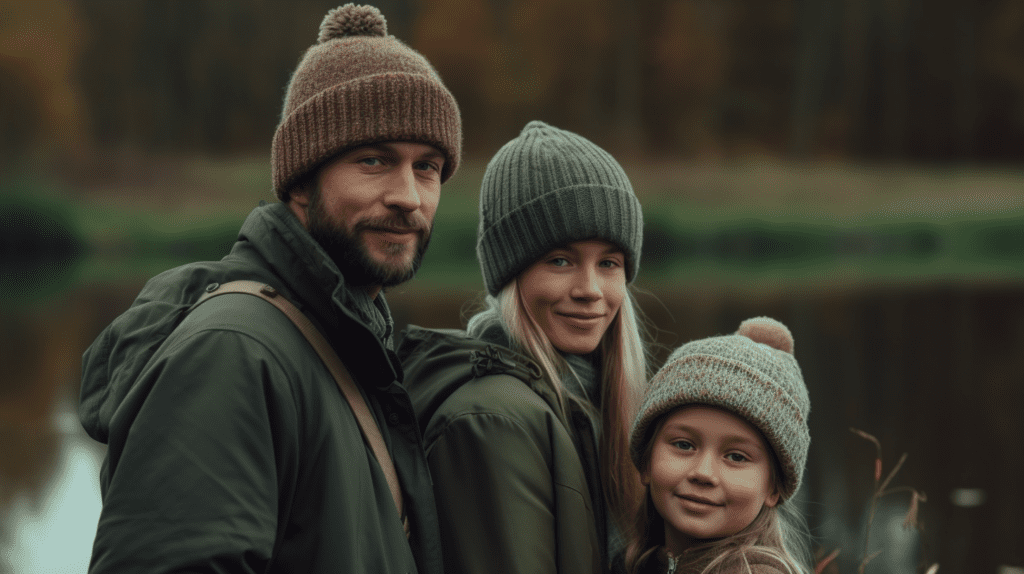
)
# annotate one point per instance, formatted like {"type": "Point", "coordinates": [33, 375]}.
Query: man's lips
{"type": "Point", "coordinates": [399, 233]}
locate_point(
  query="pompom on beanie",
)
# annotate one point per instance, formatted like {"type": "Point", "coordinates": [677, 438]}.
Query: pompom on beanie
{"type": "Point", "coordinates": [545, 189]}
{"type": "Point", "coordinates": [752, 374]}
{"type": "Point", "coordinates": [357, 85]}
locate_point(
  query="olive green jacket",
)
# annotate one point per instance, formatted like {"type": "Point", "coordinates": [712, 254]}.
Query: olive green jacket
{"type": "Point", "coordinates": [511, 487]}
{"type": "Point", "coordinates": [230, 446]}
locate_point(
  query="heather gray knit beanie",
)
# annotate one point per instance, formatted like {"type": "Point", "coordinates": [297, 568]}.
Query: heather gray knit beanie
{"type": "Point", "coordinates": [752, 374]}
{"type": "Point", "coordinates": [545, 189]}
{"type": "Point", "coordinates": [358, 85]}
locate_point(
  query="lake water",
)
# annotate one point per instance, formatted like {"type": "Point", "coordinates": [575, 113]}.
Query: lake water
{"type": "Point", "coordinates": [54, 533]}
{"type": "Point", "coordinates": [932, 370]}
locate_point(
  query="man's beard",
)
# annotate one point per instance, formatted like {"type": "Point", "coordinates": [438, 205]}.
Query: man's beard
{"type": "Point", "coordinates": [348, 250]}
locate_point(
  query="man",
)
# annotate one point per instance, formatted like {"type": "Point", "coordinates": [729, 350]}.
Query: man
{"type": "Point", "coordinates": [231, 447]}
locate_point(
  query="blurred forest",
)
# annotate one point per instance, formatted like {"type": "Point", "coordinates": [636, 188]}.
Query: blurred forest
{"type": "Point", "coordinates": [893, 80]}
{"type": "Point", "coordinates": [854, 168]}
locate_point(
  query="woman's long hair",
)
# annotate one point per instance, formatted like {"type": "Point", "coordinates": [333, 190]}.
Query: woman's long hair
{"type": "Point", "coordinates": [623, 378]}
{"type": "Point", "coordinates": [777, 535]}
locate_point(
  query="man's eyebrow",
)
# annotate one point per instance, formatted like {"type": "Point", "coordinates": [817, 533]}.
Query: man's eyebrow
{"type": "Point", "coordinates": [434, 153]}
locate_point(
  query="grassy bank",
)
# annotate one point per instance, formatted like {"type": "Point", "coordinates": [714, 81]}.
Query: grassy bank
{"type": "Point", "coordinates": [759, 225]}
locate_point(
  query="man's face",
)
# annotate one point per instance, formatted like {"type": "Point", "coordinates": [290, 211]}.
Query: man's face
{"type": "Point", "coordinates": [373, 208]}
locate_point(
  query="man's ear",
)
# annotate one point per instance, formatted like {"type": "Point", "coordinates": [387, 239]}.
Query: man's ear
{"type": "Point", "coordinates": [298, 202]}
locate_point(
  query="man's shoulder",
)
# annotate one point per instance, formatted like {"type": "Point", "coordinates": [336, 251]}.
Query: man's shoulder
{"type": "Point", "coordinates": [243, 313]}
{"type": "Point", "coordinates": [235, 321]}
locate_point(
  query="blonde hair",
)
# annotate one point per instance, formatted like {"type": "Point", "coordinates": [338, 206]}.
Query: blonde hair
{"type": "Point", "coordinates": [623, 377]}
{"type": "Point", "coordinates": [777, 534]}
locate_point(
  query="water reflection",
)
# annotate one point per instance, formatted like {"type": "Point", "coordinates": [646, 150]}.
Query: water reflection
{"type": "Point", "coordinates": [903, 363]}
{"type": "Point", "coordinates": [53, 529]}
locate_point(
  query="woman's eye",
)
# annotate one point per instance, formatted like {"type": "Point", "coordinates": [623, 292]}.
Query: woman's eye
{"type": "Point", "coordinates": [371, 161]}
{"type": "Point", "coordinates": [558, 261]}
{"type": "Point", "coordinates": [610, 263]}
{"type": "Point", "coordinates": [682, 444]}
{"type": "Point", "coordinates": [736, 457]}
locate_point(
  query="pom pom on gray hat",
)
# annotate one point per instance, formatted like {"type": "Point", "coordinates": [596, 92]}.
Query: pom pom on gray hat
{"type": "Point", "coordinates": [752, 374]}
{"type": "Point", "coordinates": [545, 189]}
{"type": "Point", "coordinates": [356, 86]}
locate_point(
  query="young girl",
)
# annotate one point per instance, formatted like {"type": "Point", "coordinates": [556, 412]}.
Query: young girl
{"type": "Point", "coordinates": [525, 412]}
{"type": "Point", "coordinates": [720, 442]}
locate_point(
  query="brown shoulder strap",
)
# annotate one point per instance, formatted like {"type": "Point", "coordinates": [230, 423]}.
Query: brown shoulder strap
{"type": "Point", "coordinates": [341, 375]}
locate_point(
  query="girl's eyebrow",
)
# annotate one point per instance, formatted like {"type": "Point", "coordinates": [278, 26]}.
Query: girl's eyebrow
{"type": "Point", "coordinates": [742, 441]}
{"type": "Point", "coordinates": [682, 427]}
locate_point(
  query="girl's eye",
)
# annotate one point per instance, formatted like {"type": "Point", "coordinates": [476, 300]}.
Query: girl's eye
{"type": "Point", "coordinates": [683, 445]}
{"type": "Point", "coordinates": [736, 457]}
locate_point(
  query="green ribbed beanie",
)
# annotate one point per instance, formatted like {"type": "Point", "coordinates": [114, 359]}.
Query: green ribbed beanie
{"type": "Point", "coordinates": [545, 189]}
{"type": "Point", "coordinates": [359, 85]}
{"type": "Point", "coordinates": [752, 374]}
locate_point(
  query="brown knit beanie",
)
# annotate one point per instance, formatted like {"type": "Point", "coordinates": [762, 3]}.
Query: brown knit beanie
{"type": "Point", "coordinates": [752, 374]}
{"type": "Point", "coordinates": [357, 85]}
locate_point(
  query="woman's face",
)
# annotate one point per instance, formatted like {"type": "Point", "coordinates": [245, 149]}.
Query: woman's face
{"type": "Point", "coordinates": [574, 292]}
{"type": "Point", "coordinates": [710, 473]}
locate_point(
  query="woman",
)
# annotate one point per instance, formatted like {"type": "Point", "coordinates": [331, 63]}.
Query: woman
{"type": "Point", "coordinates": [524, 411]}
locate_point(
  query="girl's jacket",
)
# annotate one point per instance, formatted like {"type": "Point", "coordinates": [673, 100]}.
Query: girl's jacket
{"type": "Point", "coordinates": [511, 485]}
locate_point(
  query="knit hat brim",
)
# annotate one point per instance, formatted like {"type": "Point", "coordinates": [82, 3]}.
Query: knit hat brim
{"type": "Point", "coordinates": [370, 109]}
{"type": "Point", "coordinates": [575, 213]}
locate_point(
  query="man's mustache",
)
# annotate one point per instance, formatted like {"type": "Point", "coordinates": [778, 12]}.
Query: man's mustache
{"type": "Point", "coordinates": [398, 222]}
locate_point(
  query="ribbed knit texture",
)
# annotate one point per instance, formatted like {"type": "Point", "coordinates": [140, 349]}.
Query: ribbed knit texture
{"type": "Point", "coordinates": [545, 189]}
{"type": "Point", "coordinates": [358, 86]}
{"type": "Point", "coordinates": [752, 374]}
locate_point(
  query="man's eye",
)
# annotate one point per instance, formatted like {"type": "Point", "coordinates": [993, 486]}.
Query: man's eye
{"type": "Point", "coordinates": [373, 161]}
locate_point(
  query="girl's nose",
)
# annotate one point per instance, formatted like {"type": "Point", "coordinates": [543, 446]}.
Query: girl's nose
{"type": "Point", "coordinates": [704, 469]}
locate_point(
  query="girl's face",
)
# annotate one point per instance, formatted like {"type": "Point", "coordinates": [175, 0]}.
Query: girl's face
{"type": "Point", "coordinates": [574, 293]}
{"type": "Point", "coordinates": [709, 474]}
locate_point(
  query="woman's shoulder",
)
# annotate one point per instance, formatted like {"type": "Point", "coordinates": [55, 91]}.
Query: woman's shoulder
{"type": "Point", "coordinates": [451, 375]}
{"type": "Point", "coordinates": [501, 394]}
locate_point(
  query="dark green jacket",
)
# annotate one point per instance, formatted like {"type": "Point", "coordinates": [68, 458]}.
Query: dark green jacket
{"type": "Point", "coordinates": [511, 487]}
{"type": "Point", "coordinates": [230, 447]}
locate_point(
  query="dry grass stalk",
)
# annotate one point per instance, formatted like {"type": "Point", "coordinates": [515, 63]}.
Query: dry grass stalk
{"type": "Point", "coordinates": [824, 562]}
{"type": "Point", "coordinates": [881, 489]}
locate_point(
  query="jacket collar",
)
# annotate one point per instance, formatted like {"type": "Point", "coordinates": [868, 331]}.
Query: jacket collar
{"type": "Point", "coordinates": [310, 273]}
